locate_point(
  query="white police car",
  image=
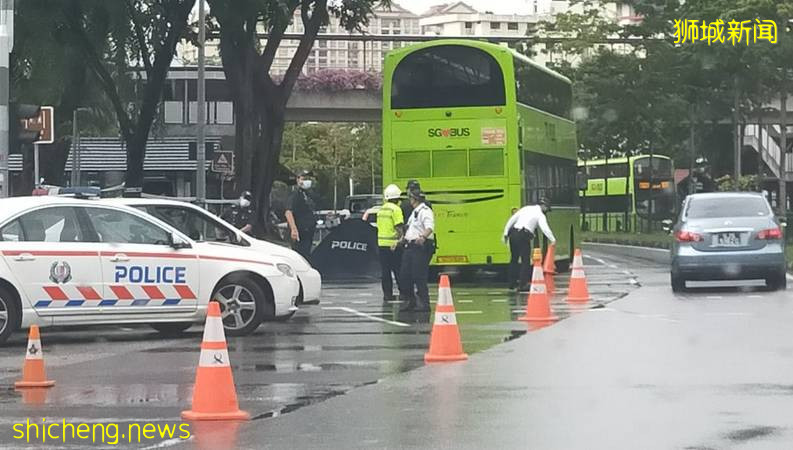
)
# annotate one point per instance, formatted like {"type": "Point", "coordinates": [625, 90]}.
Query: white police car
{"type": "Point", "coordinates": [66, 261]}
{"type": "Point", "coordinates": [202, 225]}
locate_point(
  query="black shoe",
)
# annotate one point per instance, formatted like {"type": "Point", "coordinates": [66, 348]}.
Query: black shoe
{"type": "Point", "coordinates": [407, 308]}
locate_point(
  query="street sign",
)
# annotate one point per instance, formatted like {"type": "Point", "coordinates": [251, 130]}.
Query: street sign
{"type": "Point", "coordinates": [223, 162]}
{"type": "Point", "coordinates": [44, 123]}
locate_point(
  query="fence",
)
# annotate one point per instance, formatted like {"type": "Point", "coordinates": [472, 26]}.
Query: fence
{"type": "Point", "coordinates": [619, 223]}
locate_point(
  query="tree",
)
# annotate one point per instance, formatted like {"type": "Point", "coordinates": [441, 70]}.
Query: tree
{"type": "Point", "coordinates": [111, 36]}
{"type": "Point", "coordinates": [260, 97]}
{"type": "Point", "coordinates": [336, 152]}
{"type": "Point", "coordinates": [46, 68]}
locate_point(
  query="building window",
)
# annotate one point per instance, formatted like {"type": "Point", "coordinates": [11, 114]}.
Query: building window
{"type": "Point", "coordinates": [495, 25]}
{"type": "Point", "coordinates": [513, 26]}
{"type": "Point", "coordinates": [469, 25]}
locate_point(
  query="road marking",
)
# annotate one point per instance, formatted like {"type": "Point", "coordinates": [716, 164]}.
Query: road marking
{"type": "Point", "coordinates": [629, 246]}
{"type": "Point", "coordinates": [499, 300]}
{"type": "Point", "coordinates": [715, 297]}
{"type": "Point", "coordinates": [365, 294]}
{"type": "Point", "coordinates": [469, 312]}
{"type": "Point", "coordinates": [368, 316]}
{"type": "Point", "coordinates": [359, 302]}
{"type": "Point", "coordinates": [465, 301]}
{"type": "Point", "coordinates": [325, 302]}
{"type": "Point", "coordinates": [754, 296]}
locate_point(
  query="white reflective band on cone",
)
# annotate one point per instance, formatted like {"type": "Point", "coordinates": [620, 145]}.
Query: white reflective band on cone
{"type": "Point", "coordinates": [577, 273]}
{"type": "Point", "coordinates": [445, 319]}
{"type": "Point", "coordinates": [213, 330]}
{"type": "Point", "coordinates": [444, 296]}
{"type": "Point", "coordinates": [34, 349]}
{"type": "Point", "coordinates": [578, 261]}
{"type": "Point", "coordinates": [537, 288]}
{"type": "Point", "coordinates": [214, 358]}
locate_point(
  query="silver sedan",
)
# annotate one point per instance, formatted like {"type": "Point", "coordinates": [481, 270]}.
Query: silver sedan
{"type": "Point", "coordinates": [728, 236]}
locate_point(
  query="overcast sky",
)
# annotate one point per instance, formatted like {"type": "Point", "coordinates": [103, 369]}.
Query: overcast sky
{"type": "Point", "coordinates": [497, 6]}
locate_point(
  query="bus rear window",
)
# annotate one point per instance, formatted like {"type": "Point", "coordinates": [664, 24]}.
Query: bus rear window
{"type": "Point", "coordinates": [486, 162]}
{"type": "Point", "coordinates": [447, 76]}
{"type": "Point", "coordinates": [449, 163]}
{"type": "Point", "coordinates": [413, 164]}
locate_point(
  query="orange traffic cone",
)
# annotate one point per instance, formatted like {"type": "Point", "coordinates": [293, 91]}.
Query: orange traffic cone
{"type": "Point", "coordinates": [549, 269]}
{"type": "Point", "coordinates": [578, 292]}
{"type": "Point", "coordinates": [214, 394]}
{"type": "Point", "coordinates": [445, 344]}
{"type": "Point", "coordinates": [33, 374]}
{"type": "Point", "coordinates": [538, 305]}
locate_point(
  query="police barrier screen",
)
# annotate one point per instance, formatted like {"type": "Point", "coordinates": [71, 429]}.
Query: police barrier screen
{"type": "Point", "coordinates": [484, 130]}
{"type": "Point", "coordinates": [635, 187]}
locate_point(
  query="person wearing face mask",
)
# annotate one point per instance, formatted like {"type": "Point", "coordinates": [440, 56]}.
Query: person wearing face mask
{"type": "Point", "coordinates": [242, 214]}
{"type": "Point", "coordinates": [300, 214]}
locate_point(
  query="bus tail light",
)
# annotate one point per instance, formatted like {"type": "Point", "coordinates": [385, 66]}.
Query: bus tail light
{"type": "Point", "coordinates": [688, 236]}
{"type": "Point", "coordinates": [769, 234]}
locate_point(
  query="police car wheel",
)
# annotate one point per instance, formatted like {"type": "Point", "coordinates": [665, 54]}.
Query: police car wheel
{"type": "Point", "coordinates": [9, 314]}
{"type": "Point", "coordinates": [242, 305]}
{"type": "Point", "coordinates": [171, 328]}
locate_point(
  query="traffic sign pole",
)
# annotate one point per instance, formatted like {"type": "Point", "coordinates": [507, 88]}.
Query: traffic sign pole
{"type": "Point", "coordinates": [35, 165]}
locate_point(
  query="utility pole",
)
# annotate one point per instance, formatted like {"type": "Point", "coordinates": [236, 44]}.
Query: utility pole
{"type": "Point", "coordinates": [201, 155]}
{"type": "Point", "coordinates": [735, 137]}
{"type": "Point", "coordinates": [782, 152]}
{"type": "Point", "coordinates": [6, 45]}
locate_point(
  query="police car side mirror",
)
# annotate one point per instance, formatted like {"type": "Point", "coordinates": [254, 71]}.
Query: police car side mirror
{"type": "Point", "coordinates": [176, 243]}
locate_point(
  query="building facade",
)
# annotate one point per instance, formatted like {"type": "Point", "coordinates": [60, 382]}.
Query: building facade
{"type": "Point", "coordinates": [329, 54]}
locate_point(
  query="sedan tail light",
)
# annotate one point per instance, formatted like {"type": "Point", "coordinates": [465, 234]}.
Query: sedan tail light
{"type": "Point", "coordinates": [771, 233]}
{"type": "Point", "coordinates": [688, 236]}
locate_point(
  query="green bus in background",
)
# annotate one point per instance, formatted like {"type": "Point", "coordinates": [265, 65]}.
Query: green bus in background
{"type": "Point", "coordinates": [484, 130]}
{"type": "Point", "coordinates": [627, 194]}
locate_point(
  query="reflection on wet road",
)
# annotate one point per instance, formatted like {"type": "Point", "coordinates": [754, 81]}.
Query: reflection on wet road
{"type": "Point", "coordinates": [351, 339]}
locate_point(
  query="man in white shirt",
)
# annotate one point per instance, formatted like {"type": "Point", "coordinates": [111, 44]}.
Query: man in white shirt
{"type": "Point", "coordinates": [419, 245]}
{"type": "Point", "coordinates": [519, 231]}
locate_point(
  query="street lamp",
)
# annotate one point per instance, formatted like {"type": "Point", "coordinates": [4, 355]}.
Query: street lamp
{"type": "Point", "coordinates": [75, 178]}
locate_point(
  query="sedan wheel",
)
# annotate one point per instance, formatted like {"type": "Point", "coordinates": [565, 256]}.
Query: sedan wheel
{"type": "Point", "coordinates": [242, 304]}
{"type": "Point", "coordinates": [8, 315]}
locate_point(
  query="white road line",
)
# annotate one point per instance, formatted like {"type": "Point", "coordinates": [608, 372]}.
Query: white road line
{"type": "Point", "coordinates": [465, 301]}
{"type": "Point", "coordinates": [754, 296]}
{"type": "Point", "coordinates": [598, 260]}
{"type": "Point", "coordinates": [365, 294]}
{"type": "Point", "coordinates": [715, 297]}
{"type": "Point", "coordinates": [368, 316]}
{"type": "Point", "coordinates": [359, 302]}
{"type": "Point", "coordinates": [468, 312]}
{"type": "Point", "coordinates": [499, 300]}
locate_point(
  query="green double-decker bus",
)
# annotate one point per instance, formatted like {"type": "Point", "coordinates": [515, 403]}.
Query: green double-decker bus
{"type": "Point", "coordinates": [484, 130]}
{"type": "Point", "coordinates": [633, 193]}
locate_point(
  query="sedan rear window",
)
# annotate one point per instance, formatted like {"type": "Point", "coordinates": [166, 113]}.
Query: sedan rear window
{"type": "Point", "coordinates": [702, 208]}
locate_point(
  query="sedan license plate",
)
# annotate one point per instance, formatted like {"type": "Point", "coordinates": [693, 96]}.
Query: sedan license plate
{"type": "Point", "coordinates": [727, 240]}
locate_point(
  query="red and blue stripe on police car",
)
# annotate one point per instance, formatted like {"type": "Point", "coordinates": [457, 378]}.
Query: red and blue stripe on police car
{"type": "Point", "coordinates": [56, 296]}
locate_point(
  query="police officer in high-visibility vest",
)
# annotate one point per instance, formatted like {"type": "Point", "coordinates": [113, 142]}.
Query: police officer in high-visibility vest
{"type": "Point", "coordinates": [389, 231]}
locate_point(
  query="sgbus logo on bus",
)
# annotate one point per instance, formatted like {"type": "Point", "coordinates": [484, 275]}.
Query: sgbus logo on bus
{"type": "Point", "coordinates": [449, 132]}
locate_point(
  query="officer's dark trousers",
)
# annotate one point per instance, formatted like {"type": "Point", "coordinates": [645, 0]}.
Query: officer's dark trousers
{"type": "Point", "coordinates": [520, 261]}
{"type": "Point", "coordinates": [413, 275]}
{"type": "Point", "coordinates": [303, 246]}
{"type": "Point", "coordinates": [389, 264]}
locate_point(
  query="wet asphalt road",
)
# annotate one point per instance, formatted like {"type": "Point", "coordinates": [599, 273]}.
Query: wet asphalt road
{"type": "Point", "coordinates": [707, 369]}
{"type": "Point", "coordinates": [352, 339]}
